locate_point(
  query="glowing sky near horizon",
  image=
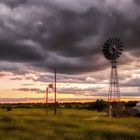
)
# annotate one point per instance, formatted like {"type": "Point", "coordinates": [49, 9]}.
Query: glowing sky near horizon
{"type": "Point", "coordinates": [37, 36]}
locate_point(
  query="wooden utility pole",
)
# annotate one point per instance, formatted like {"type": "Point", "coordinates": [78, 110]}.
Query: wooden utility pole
{"type": "Point", "coordinates": [55, 103]}
{"type": "Point", "coordinates": [46, 101]}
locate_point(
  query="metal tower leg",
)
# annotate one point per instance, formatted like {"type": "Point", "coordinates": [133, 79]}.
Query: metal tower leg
{"type": "Point", "coordinates": [114, 92]}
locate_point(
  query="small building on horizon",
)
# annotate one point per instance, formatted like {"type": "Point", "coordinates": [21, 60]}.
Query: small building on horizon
{"type": "Point", "coordinates": [135, 111]}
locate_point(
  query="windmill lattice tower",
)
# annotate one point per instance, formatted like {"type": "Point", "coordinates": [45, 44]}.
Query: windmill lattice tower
{"type": "Point", "coordinates": [112, 50]}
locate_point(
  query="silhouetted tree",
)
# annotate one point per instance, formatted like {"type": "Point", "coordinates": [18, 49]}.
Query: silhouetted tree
{"type": "Point", "coordinates": [130, 104]}
{"type": "Point", "coordinates": [99, 105]}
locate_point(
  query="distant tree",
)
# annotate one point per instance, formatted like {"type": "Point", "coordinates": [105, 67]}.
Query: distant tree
{"type": "Point", "coordinates": [130, 104]}
{"type": "Point", "coordinates": [99, 105]}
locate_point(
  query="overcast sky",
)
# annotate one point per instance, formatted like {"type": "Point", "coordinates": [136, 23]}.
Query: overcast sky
{"type": "Point", "coordinates": [38, 36]}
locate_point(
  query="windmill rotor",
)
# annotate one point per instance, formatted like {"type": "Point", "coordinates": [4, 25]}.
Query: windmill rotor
{"type": "Point", "coordinates": [112, 48]}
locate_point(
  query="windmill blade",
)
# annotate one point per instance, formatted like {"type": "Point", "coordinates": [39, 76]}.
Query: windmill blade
{"type": "Point", "coordinates": [106, 49]}
{"type": "Point", "coordinates": [114, 41]}
{"type": "Point", "coordinates": [105, 52]}
{"type": "Point", "coordinates": [108, 57]}
{"type": "Point", "coordinates": [110, 40]}
{"type": "Point", "coordinates": [119, 49]}
{"type": "Point", "coordinates": [117, 55]}
{"type": "Point", "coordinates": [120, 46]}
{"type": "Point", "coordinates": [118, 52]}
{"type": "Point", "coordinates": [117, 40]}
{"type": "Point", "coordinates": [105, 46]}
{"type": "Point", "coordinates": [120, 43]}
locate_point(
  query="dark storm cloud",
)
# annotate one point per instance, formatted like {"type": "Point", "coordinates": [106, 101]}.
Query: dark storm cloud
{"type": "Point", "coordinates": [16, 52]}
{"type": "Point", "coordinates": [14, 3]}
{"type": "Point", "coordinates": [66, 35]}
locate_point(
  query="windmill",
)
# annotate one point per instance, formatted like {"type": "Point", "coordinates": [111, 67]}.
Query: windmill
{"type": "Point", "coordinates": [50, 86]}
{"type": "Point", "coordinates": [112, 49]}
{"type": "Point", "coordinates": [53, 88]}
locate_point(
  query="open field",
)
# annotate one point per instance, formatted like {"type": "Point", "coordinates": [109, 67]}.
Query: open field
{"type": "Point", "coordinates": [32, 124]}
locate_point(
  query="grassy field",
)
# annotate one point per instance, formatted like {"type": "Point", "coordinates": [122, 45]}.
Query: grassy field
{"type": "Point", "coordinates": [32, 124]}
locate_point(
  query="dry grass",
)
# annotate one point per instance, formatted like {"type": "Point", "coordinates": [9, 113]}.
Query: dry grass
{"type": "Point", "coordinates": [32, 124]}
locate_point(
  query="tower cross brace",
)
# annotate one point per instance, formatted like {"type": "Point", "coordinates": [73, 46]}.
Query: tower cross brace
{"type": "Point", "coordinates": [114, 91]}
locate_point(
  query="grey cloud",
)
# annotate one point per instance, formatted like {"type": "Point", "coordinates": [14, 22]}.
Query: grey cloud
{"type": "Point", "coordinates": [87, 92]}
{"type": "Point", "coordinates": [131, 83]}
{"type": "Point", "coordinates": [16, 78]}
{"type": "Point", "coordinates": [92, 92]}
{"type": "Point", "coordinates": [36, 90]}
{"type": "Point", "coordinates": [14, 68]}
{"type": "Point", "coordinates": [31, 84]}
{"type": "Point", "coordinates": [63, 78]}
{"type": "Point", "coordinates": [79, 91]}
